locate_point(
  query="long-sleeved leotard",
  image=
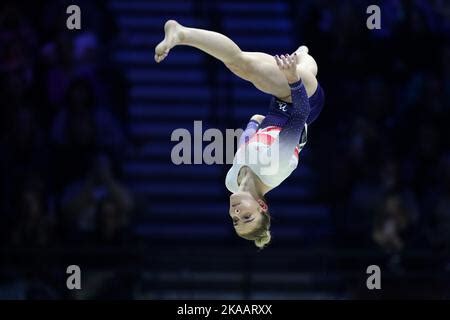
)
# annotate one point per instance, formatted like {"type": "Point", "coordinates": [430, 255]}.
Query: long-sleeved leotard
{"type": "Point", "coordinates": [250, 130]}
{"type": "Point", "coordinates": [287, 133]}
{"type": "Point", "coordinates": [280, 112]}
{"type": "Point", "coordinates": [291, 133]}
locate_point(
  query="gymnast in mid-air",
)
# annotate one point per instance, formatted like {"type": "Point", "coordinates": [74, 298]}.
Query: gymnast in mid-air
{"type": "Point", "coordinates": [297, 100]}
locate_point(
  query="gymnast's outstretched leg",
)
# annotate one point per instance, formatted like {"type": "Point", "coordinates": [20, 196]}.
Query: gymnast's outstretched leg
{"type": "Point", "coordinates": [257, 67]}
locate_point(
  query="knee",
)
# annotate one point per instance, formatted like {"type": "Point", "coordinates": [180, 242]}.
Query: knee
{"type": "Point", "coordinates": [311, 65]}
{"type": "Point", "coordinates": [308, 79]}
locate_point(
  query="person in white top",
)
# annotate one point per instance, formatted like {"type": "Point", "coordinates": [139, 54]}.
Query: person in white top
{"type": "Point", "coordinates": [269, 147]}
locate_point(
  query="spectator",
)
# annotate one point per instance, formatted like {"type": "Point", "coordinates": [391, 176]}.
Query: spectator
{"type": "Point", "coordinates": [99, 203]}
{"type": "Point", "coordinates": [391, 222]}
{"type": "Point", "coordinates": [33, 226]}
{"type": "Point", "coordinates": [81, 130]}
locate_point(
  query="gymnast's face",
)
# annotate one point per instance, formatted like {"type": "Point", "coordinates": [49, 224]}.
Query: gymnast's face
{"type": "Point", "coordinates": [246, 212]}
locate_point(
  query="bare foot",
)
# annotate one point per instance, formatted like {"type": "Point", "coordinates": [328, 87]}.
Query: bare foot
{"type": "Point", "coordinates": [172, 37]}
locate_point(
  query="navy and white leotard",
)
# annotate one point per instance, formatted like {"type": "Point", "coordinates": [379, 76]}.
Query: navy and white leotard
{"type": "Point", "coordinates": [271, 149]}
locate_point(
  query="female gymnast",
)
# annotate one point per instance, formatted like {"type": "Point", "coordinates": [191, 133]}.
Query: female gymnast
{"type": "Point", "coordinates": [297, 100]}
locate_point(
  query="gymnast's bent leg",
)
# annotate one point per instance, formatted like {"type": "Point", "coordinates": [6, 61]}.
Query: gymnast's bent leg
{"type": "Point", "coordinates": [257, 67]}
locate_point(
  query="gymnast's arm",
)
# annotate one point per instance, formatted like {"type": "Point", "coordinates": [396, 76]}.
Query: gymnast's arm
{"type": "Point", "coordinates": [292, 131]}
{"type": "Point", "coordinates": [252, 127]}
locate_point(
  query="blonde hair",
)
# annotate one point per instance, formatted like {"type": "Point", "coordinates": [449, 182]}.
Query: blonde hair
{"type": "Point", "coordinates": [264, 240]}
{"type": "Point", "coordinates": [260, 236]}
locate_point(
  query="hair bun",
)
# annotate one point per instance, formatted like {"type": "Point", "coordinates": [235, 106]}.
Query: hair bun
{"type": "Point", "coordinates": [264, 240]}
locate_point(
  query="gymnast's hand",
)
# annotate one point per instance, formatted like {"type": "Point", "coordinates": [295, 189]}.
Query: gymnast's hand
{"type": "Point", "coordinates": [288, 65]}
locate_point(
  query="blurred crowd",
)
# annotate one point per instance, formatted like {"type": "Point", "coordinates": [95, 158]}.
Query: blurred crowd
{"type": "Point", "coordinates": [382, 142]}
{"type": "Point", "coordinates": [63, 128]}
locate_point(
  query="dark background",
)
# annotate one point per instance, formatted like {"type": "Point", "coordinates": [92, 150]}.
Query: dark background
{"type": "Point", "coordinates": [87, 179]}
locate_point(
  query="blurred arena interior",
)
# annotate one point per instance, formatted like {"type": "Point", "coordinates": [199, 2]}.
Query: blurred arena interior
{"type": "Point", "coordinates": [87, 179]}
